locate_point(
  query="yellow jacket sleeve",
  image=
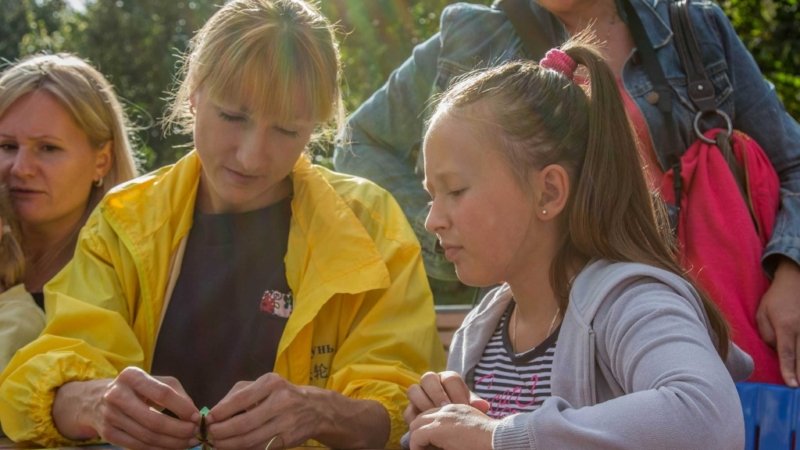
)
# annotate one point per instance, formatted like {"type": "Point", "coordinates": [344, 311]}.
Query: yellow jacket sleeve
{"type": "Point", "coordinates": [81, 341]}
{"type": "Point", "coordinates": [392, 337]}
{"type": "Point", "coordinates": [393, 341]}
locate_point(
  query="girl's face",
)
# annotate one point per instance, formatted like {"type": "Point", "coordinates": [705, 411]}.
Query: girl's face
{"type": "Point", "coordinates": [482, 217]}
{"type": "Point", "coordinates": [246, 161]}
{"type": "Point", "coordinates": [47, 162]}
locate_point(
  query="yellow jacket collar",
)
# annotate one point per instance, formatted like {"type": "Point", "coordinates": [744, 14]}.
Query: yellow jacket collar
{"type": "Point", "coordinates": [320, 217]}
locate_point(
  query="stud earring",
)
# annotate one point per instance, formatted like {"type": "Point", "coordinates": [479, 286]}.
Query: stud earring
{"type": "Point", "coordinates": [544, 212]}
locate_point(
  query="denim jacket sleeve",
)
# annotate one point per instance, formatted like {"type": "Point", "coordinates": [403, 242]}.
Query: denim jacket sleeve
{"type": "Point", "coordinates": [383, 136]}
{"type": "Point", "coordinates": [741, 91]}
{"type": "Point", "coordinates": [382, 139]}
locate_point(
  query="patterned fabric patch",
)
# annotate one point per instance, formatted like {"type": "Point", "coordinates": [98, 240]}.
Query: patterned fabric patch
{"type": "Point", "coordinates": [277, 303]}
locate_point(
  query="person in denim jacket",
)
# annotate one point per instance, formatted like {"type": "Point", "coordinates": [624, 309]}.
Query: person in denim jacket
{"type": "Point", "coordinates": [383, 135]}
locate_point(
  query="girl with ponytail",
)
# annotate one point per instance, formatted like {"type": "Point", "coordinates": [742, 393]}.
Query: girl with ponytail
{"type": "Point", "coordinates": [595, 338]}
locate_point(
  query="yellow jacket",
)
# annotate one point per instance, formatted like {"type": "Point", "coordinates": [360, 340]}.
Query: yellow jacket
{"type": "Point", "coordinates": [363, 323]}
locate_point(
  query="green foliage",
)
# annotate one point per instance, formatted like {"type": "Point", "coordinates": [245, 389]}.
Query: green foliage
{"type": "Point", "coordinates": [30, 26]}
{"type": "Point", "coordinates": [769, 30]}
{"type": "Point", "coordinates": [137, 44]}
{"type": "Point", "coordinates": [13, 26]}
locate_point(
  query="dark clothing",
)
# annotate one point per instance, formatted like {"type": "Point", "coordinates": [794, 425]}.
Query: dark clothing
{"type": "Point", "coordinates": [38, 297]}
{"type": "Point", "coordinates": [230, 303]}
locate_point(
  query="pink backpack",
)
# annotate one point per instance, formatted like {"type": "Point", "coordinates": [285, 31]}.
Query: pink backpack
{"type": "Point", "coordinates": [722, 233]}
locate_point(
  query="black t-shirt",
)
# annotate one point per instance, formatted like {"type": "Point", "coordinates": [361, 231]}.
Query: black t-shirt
{"type": "Point", "coordinates": [38, 297]}
{"type": "Point", "coordinates": [230, 303]}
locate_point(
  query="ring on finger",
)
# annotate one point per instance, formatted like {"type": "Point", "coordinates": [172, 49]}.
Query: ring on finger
{"type": "Point", "coordinates": [269, 444]}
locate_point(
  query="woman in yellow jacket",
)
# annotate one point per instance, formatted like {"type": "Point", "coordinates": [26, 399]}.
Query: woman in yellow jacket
{"type": "Point", "coordinates": [289, 299]}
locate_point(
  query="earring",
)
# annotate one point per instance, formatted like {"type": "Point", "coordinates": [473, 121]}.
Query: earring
{"type": "Point", "coordinates": [191, 109]}
{"type": "Point", "coordinates": [99, 182]}
{"type": "Point", "coordinates": [544, 212]}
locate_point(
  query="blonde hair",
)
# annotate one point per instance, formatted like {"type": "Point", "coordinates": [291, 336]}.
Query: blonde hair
{"type": "Point", "coordinates": [12, 259]}
{"type": "Point", "coordinates": [89, 98]}
{"type": "Point", "coordinates": [280, 56]}
{"type": "Point", "coordinates": [543, 117]}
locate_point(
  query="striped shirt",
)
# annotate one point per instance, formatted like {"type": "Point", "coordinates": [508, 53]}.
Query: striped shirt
{"type": "Point", "coordinates": [510, 382]}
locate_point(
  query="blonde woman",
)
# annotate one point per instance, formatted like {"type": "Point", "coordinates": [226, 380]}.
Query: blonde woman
{"type": "Point", "coordinates": [288, 299]}
{"type": "Point", "coordinates": [63, 145]}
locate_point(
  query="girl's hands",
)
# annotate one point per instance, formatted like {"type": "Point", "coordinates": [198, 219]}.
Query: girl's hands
{"type": "Point", "coordinates": [436, 390]}
{"type": "Point", "coordinates": [455, 426]}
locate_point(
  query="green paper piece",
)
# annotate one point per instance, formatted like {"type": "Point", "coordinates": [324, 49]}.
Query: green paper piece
{"type": "Point", "coordinates": [203, 438]}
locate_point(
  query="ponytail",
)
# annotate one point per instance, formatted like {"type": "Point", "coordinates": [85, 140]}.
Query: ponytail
{"type": "Point", "coordinates": [613, 214]}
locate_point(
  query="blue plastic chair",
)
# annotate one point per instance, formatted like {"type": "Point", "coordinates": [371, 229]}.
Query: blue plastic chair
{"type": "Point", "coordinates": [770, 416]}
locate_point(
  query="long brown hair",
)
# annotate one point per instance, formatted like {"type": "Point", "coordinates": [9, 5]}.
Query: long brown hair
{"type": "Point", "coordinates": [544, 117]}
{"type": "Point", "coordinates": [12, 260]}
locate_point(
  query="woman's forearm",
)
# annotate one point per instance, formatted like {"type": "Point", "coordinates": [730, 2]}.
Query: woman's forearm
{"type": "Point", "coordinates": [349, 423]}
{"type": "Point", "coordinates": [74, 406]}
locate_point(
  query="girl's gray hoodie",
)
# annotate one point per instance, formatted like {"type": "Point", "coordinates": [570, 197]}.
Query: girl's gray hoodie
{"type": "Point", "coordinates": [635, 367]}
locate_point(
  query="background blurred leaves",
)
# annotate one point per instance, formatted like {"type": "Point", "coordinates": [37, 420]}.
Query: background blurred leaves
{"type": "Point", "coordinates": [769, 28]}
{"type": "Point", "coordinates": [137, 44]}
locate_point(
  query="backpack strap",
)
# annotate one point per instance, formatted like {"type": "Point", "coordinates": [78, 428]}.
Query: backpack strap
{"type": "Point", "coordinates": [701, 90]}
{"type": "Point", "coordinates": [526, 23]}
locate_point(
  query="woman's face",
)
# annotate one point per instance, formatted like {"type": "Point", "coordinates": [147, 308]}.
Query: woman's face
{"type": "Point", "coordinates": [246, 161]}
{"type": "Point", "coordinates": [482, 217]}
{"type": "Point", "coordinates": [47, 162]}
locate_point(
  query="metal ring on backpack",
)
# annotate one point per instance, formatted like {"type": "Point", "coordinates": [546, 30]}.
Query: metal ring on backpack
{"type": "Point", "coordinates": [719, 112]}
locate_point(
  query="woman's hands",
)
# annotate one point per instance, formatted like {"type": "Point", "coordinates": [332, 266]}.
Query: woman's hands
{"type": "Point", "coordinates": [444, 413]}
{"type": "Point", "coordinates": [255, 412]}
{"type": "Point", "coordinates": [272, 411]}
{"type": "Point", "coordinates": [126, 411]}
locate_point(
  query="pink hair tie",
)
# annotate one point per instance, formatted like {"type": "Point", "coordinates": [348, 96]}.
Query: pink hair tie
{"type": "Point", "coordinates": [559, 61]}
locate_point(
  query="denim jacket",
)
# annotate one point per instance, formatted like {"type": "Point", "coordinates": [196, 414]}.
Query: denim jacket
{"type": "Point", "coordinates": [383, 136]}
